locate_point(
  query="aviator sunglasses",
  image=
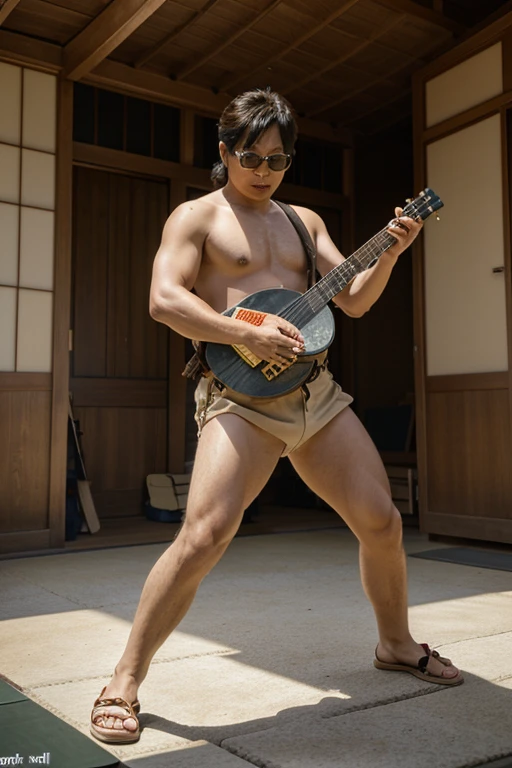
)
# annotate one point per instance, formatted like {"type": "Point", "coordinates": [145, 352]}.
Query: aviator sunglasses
{"type": "Point", "coordinates": [277, 162]}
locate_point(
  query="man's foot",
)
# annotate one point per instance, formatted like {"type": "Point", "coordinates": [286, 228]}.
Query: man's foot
{"type": "Point", "coordinates": [114, 720]}
{"type": "Point", "coordinates": [421, 662]}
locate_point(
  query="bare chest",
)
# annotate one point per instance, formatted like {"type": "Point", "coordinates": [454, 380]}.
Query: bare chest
{"type": "Point", "coordinates": [240, 244]}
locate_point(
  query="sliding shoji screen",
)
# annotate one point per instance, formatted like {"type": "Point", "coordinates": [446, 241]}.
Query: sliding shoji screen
{"type": "Point", "coordinates": [27, 213]}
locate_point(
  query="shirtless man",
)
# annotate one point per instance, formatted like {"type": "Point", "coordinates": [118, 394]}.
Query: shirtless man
{"type": "Point", "coordinates": [225, 245]}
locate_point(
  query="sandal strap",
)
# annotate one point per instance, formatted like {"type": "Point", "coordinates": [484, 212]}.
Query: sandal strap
{"type": "Point", "coordinates": [117, 702]}
{"type": "Point", "coordinates": [435, 655]}
{"type": "Point", "coordinates": [422, 663]}
{"type": "Point", "coordinates": [442, 659]}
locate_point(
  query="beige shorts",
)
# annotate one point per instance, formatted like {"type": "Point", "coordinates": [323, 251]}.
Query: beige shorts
{"type": "Point", "coordinates": [291, 418]}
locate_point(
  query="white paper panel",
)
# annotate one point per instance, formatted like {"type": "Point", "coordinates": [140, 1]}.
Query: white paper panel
{"type": "Point", "coordinates": [9, 174]}
{"type": "Point", "coordinates": [37, 179]}
{"type": "Point", "coordinates": [9, 226]}
{"type": "Point", "coordinates": [34, 331]}
{"type": "Point", "coordinates": [10, 103]}
{"type": "Point", "coordinates": [7, 328]}
{"type": "Point", "coordinates": [36, 248]}
{"type": "Point", "coordinates": [465, 301]}
{"type": "Point", "coordinates": [462, 87]}
{"type": "Point", "coordinates": [39, 110]}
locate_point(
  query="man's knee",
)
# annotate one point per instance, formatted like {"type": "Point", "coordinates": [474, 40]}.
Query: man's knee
{"type": "Point", "coordinates": [384, 527]}
{"type": "Point", "coordinates": [206, 536]}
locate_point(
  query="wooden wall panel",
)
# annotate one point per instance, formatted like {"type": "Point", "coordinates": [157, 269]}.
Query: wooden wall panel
{"type": "Point", "coordinates": [121, 446]}
{"type": "Point", "coordinates": [149, 340]}
{"type": "Point", "coordinates": [24, 460]}
{"type": "Point", "coordinates": [119, 382]}
{"type": "Point", "coordinates": [118, 223]}
{"type": "Point", "coordinates": [469, 456]}
{"type": "Point", "coordinates": [123, 393]}
{"type": "Point", "coordinates": [119, 277]}
{"type": "Point", "coordinates": [90, 247]}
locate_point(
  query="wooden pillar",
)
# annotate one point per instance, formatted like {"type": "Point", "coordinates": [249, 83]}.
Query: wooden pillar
{"type": "Point", "coordinates": [62, 299]}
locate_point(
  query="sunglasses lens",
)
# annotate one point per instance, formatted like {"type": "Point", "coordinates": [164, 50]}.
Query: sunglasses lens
{"type": "Point", "coordinates": [250, 160]}
{"type": "Point", "coordinates": [278, 162]}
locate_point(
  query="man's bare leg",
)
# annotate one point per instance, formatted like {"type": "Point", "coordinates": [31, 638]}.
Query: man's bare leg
{"type": "Point", "coordinates": [233, 462]}
{"type": "Point", "coordinates": [342, 466]}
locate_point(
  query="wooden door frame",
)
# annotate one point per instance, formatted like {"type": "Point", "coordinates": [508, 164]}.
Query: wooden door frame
{"type": "Point", "coordinates": [422, 137]}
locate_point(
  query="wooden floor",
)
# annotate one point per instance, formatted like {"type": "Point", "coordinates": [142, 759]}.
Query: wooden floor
{"type": "Point", "coordinates": [122, 532]}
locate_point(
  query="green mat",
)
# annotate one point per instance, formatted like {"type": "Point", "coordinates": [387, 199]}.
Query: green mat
{"type": "Point", "coordinates": [29, 734]}
{"type": "Point", "coordinates": [498, 561]}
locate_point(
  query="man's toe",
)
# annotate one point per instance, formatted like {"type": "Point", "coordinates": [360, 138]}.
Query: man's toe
{"type": "Point", "coordinates": [130, 724]}
{"type": "Point", "coordinates": [438, 668]}
{"type": "Point", "coordinates": [450, 671]}
{"type": "Point", "coordinates": [117, 721]}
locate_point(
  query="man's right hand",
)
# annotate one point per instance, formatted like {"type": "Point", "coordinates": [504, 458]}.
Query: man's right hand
{"type": "Point", "coordinates": [275, 340]}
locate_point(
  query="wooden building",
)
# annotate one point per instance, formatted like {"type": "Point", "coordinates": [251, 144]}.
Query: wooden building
{"type": "Point", "coordinates": [108, 121]}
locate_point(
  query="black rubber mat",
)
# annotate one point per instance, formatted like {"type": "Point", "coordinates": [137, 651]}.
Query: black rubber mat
{"type": "Point", "coordinates": [504, 762]}
{"type": "Point", "coordinates": [29, 734]}
{"type": "Point", "coordinates": [497, 561]}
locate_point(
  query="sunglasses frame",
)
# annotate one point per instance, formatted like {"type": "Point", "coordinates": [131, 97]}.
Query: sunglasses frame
{"type": "Point", "coordinates": [262, 159]}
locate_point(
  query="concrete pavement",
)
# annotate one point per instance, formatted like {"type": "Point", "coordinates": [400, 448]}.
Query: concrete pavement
{"type": "Point", "coordinates": [272, 667]}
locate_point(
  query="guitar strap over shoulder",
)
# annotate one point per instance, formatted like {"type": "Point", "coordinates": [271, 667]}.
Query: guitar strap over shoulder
{"type": "Point", "coordinates": [197, 363]}
{"type": "Point", "coordinates": [305, 238]}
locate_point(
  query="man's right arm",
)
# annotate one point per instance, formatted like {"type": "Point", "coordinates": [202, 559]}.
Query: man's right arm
{"type": "Point", "coordinates": [175, 270]}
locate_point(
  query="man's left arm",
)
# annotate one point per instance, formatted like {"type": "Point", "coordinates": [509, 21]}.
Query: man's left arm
{"type": "Point", "coordinates": [364, 290]}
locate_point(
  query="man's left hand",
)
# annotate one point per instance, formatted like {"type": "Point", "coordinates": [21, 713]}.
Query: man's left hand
{"type": "Point", "coordinates": [404, 230]}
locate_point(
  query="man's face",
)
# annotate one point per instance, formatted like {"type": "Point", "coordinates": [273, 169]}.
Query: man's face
{"type": "Point", "coordinates": [257, 183]}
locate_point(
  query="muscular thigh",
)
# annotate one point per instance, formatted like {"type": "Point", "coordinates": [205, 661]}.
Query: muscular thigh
{"type": "Point", "coordinates": [342, 466]}
{"type": "Point", "coordinates": [234, 460]}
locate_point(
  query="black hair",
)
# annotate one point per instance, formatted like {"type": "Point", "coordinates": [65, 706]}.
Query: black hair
{"type": "Point", "coordinates": [252, 113]}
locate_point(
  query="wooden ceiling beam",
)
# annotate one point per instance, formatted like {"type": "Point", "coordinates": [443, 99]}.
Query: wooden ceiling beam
{"type": "Point", "coordinates": [425, 14]}
{"type": "Point", "coordinates": [6, 6]}
{"type": "Point", "coordinates": [152, 52]}
{"type": "Point", "coordinates": [125, 79]}
{"type": "Point", "coordinates": [379, 32]}
{"type": "Point", "coordinates": [356, 39]}
{"type": "Point", "coordinates": [269, 60]}
{"type": "Point", "coordinates": [149, 85]}
{"type": "Point", "coordinates": [356, 91]}
{"type": "Point", "coordinates": [104, 33]}
{"type": "Point", "coordinates": [47, 57]}
{"type": "Point", "coordinates": [21, 49]}
{"type": "Point", "coordinates": [240, 31]}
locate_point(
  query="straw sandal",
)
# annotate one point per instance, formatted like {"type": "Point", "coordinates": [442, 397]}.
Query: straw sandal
{"type": "Point", "coordinates": [114, 735]}
{"type": "Point", "coordinates": [420, 670]}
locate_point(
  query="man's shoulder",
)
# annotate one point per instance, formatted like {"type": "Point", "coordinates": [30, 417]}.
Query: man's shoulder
{"type": "Point", "coordinates": [311, 219]}
{"type": "Point", "coordinates": [197, 212]}
{"type": "Point", "coordinates": [207, 203]}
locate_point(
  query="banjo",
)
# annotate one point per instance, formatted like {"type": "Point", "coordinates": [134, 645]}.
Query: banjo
{"type": "Point", "coordinates": [236, 367]}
